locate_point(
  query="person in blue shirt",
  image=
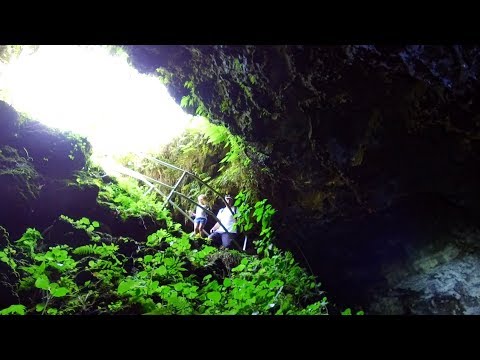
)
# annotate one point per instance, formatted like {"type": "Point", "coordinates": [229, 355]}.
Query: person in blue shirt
{"type": "Point", "coordinates": [200, 215]}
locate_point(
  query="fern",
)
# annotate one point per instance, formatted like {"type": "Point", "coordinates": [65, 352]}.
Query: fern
{"type": "Point", "coordinates": [216, 134]}
{"type": "Point", "coordinates": [86, 250]}
{"type": "Point", "coordinates": [185, 101]}
{"type": "Point", "coordinates": [93, 249]}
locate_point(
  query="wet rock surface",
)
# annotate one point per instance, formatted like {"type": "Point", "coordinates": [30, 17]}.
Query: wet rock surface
{"type": "Point", "coordinates": [362, 145]}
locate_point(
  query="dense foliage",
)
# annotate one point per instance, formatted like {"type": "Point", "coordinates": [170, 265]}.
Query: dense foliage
{"type": "Point", "coordinates": [167, 273]}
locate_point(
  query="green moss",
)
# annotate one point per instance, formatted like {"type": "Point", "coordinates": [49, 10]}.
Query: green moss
{"type": "Point", "coordinates": [17, 174]}
{"type": "Point", "coordinates": [164, 76]}
{"type": "Point", "coordinates": [125, 196]}
{"type": "Point", "coordinates": [79, 146]}
{"type": "Point", "coordinates": [3, 237]}
{"type": "Point", "coordinates": [128, 198]}
{"type": "Point", "coordinates": [313, 200]}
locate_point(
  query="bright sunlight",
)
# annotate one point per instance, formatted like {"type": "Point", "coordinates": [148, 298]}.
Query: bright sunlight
{"type": "Point", "coordinates": [90, 92]}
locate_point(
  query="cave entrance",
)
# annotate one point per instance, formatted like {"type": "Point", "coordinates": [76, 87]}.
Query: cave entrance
{"type": "Point", "coordinates": [92, 91]}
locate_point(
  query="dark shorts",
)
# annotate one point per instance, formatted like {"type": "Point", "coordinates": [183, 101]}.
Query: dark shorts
{"type": "Point", "coordinates": [225, 238]}
{"type": "Point", "coordinates": [200, 220]}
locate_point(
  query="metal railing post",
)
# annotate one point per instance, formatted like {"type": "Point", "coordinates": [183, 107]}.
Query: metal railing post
{"type": "Point", "coordinates": [174, 189]}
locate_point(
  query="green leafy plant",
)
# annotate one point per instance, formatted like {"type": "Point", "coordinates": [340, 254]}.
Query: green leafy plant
{"type": "Point", "coordinates": [348, 311]}
{"type": "Point", "coordinates": [84, 224]}
{"type": "Point", "coordinates": [193, 100]}
{"type": "Point", "coordinates": [79, 145]}
{"type": "Point", "coordinates": [169, 273]}
{"type": "Point", "coordinates": [13, 310]}
{"type": "Point", "coordinates": [128, 199]}
{"type": "Point", "coordinates": [255, 218]}
{"type": "Point", "coordinates": [164, 76]}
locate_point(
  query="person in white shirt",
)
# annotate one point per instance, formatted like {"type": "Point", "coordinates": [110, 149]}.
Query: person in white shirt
{"type": "Point", "coordinates": [217, 232]}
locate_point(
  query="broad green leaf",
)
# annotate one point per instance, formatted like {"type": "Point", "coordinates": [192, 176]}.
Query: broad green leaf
{"type": "Point", "coordinates": [153, 285]}
{"type": "Point", "coordinates": [239, 268]}
{"type": "Point", "coordinates": [162, 270]}
{"type": "Point", "coordinates": [53, 286]}
{"type": "Point", "coordinates": [215, 296]}
{"type": "Point", "coordinates": [347, 312]}
{"type": "Point", "coordinates": [95, 224]}
{"type": "Point", "coordinates": [52, 311]}
{"type": "Point", "coordinates": [178, 286]}
{"type": "Point", "coordinates": [42, 282]}
{"type": "Point", "coordinates": [275, 283]}
{"type": "Point", "coordinates": [18, 309]}
{"type": "Point", "coordinates": [262, 293]}
{"type": "Point", "coordinates": [239, 282]}
{"type": "Point", "coordinates": [60, 292]}
{"type": "Point", "coordinates": [124, 286]}
{"type": "Point", "coordinates": [169, 261]}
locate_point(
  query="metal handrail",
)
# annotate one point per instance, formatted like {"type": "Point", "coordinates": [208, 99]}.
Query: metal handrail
{"type": "Point", "coordinates": [150, 181]}
{"type": "Point", "coordinates": [188, 173]}
{"type": "Point", "coordinates": [174, 188]}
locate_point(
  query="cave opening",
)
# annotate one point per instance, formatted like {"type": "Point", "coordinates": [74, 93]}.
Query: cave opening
{"type": "Point", "coordinates": [93, 91]}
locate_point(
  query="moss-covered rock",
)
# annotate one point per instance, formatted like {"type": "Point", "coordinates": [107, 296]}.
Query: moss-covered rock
{"type": "Point", "coordinates": [20, 186]}
{"type": "Point", "coordinates": [53, 153]}
{"type": "Point", "coordinates": [36, 165]}
{"type": "Point", "coordinates": [3, 237]}
{"type": "Point", "coordinates": [18, 177]}
{"type": "Point", "coordinates": [8, 123]}
{"type": "Point", "coordinates": [349, 135]}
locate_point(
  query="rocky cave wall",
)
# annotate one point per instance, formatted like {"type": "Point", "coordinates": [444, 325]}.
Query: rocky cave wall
{"type": "Point", "coordinates": [371, 153]}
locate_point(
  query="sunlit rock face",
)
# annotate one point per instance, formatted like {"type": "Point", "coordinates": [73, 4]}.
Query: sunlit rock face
{"type": "Point", "coordinates": [36, 164]}
{"type": "Point", "coordinates": [371, 151]}
{"type": "Point", "coordinates": [38, 169]}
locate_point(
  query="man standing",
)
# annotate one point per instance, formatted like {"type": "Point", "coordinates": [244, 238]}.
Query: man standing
{"type": "Point", "coordinates": [225, 216]}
